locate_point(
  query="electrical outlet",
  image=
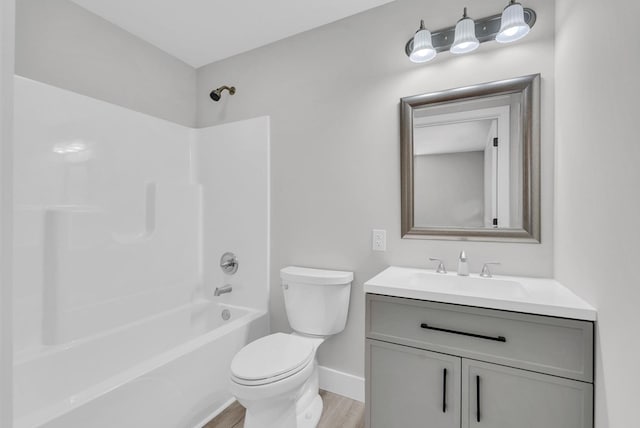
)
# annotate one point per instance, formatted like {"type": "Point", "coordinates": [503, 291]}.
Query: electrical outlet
{"type": "Point", "coordinates": [379, 240]}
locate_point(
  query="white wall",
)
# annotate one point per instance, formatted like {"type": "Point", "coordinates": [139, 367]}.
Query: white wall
{"type": "Point", "coordinates": [597, 205]}
{"type": "Point", "coordinates": [333, 95]}
{"type": "Point", "coordinates": [233, 168]}
{"type": "Point", "coordinates": [60, 43]}
{"type": "Point", "coordinates": [6, 208]}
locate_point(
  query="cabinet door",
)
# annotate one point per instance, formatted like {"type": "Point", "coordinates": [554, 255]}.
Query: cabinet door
{"type": "Point", "coordinates": [411, 388]}
{"type": "Point", "coordinates": [495, 396]}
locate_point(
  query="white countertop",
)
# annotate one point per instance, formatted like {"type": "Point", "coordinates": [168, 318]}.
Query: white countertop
{"type": "Point", "coordinates": [540, 296]}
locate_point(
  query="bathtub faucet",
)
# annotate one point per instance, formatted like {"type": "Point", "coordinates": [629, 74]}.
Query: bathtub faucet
{"type": "Point", "coordinates": [223, 290]}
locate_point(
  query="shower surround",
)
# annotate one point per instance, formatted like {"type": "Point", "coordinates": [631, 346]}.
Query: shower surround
{"type": "Point", "coordinates": [120, 219]}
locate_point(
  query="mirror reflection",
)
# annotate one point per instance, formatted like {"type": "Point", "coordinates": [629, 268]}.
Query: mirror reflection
{"type": "Point", "coordinates": [468, 154]}
{"type": "Point", "coordinates": [468, 162]}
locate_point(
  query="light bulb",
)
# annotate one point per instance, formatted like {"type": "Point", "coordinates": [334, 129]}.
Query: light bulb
{"type": "Point", "coordinates": [423, 50]}
{"type": "Point", "coordinates": [465, 37]}
{"type": "Point", "coordinates": [512, 26]}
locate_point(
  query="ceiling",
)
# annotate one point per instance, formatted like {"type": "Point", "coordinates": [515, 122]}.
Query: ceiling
{"type": "Point", "coordinates": [460, 137]}
{"type": "Point", "coordinates": [203, 31]}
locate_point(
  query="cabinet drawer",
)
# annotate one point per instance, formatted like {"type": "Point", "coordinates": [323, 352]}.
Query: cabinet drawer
{"type": "Point", "coordinates": [556, 346]}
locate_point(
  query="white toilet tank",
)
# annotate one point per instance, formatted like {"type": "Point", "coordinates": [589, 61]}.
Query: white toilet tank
{"type": "Point", "coordinates": [316, 300]}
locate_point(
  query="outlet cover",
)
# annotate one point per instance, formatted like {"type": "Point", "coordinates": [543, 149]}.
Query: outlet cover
{"type": "Point", "coordinates": [379, 240]}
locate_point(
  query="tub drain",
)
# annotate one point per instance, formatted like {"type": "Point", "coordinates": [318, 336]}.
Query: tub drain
{"type": "Point", "coordinates": [226, 314]}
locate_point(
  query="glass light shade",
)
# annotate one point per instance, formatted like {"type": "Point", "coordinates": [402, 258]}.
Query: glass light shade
{"type": "Point", "coordinates": [423, 50]}
{"type": "Point", "coordinates": [512, 26]}
{"type": "Point", "coordinates": [465, 39]}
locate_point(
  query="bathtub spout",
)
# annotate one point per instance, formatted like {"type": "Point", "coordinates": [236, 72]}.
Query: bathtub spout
{"type": "Point", "coordinates": [222, 290]}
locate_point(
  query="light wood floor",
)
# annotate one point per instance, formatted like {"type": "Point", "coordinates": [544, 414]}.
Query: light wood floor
{"type": "Point", "coordinates": [338, 412]}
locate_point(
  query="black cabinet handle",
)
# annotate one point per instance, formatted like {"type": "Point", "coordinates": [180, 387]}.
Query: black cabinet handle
{"type": "Point", "coordinates": [478, 397]}
{"type": "Point", "coordinates": [479, 336]}
{"type": "Point", "coordinates": [444, 392]}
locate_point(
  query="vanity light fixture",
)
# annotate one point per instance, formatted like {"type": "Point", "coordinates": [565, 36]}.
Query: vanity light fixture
{"type": "Point", "coordinates": [465, 36]}
{"type": "Point", "coordinates": [512, 24]}
{"type": "Point", "coordinates": [422, 49]}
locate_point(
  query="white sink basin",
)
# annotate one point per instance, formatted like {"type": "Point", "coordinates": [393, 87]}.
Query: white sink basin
{"type": "Point", "coordinates": [541, 296]}
{"type": "Point", "coordinates": [467, 285]}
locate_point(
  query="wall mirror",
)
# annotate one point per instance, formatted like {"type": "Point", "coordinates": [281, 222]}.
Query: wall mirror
{"type": "Point", "coordinates": [470, 162]}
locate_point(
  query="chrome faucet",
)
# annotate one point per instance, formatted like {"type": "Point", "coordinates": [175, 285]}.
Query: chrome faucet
{"type": "Point", "coordinates": [440, 268]}
{"type": "Point", "coordinates": [486, 273]}
{"type": "Point", "coordinates": [223, 290]}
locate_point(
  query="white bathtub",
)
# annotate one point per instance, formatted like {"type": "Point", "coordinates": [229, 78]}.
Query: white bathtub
{"type": "Point", "coordinates": [165, 371]}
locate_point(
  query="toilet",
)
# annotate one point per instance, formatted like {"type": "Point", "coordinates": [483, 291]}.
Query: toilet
{"type": "Point", "coordinates": [276, 377]}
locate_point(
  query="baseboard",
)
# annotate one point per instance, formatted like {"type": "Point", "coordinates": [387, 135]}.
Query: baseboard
{"type": "Point", "coordinates": [341, 383]}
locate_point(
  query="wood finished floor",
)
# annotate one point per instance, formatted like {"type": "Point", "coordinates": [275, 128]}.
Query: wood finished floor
{"type": "Point", "coordinates": [339, 412]}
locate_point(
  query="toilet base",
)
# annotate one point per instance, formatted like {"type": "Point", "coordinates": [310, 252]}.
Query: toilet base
{"type": "Point", "coordinates": [302, 408]}
{"type": "Point", "coordinates": [310, 417]}
{"type": "Point", "coordinates": [286, 417]}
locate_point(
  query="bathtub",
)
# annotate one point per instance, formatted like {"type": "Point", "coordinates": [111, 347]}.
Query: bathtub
{"type": "Point", "coordinates": [165, 371]}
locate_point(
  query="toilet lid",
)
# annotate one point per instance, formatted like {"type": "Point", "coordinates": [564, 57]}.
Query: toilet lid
{"type": "Point", "coordinates": [271, 356]}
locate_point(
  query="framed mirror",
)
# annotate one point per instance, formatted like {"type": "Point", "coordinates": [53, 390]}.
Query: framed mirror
{"type": "Point", "coordinates": [470, 162]}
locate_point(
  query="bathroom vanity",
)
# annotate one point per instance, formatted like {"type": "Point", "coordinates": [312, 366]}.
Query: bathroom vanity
{"type": "Point", "coordinates": [446, 351]}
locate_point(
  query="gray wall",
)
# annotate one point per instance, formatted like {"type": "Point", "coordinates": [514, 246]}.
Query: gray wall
{"type": "Point", "coordinates": [333, 94]}
{"type": "Point", "coordinates": [597, 204]}
{"type": "Point", "coordinates": [7, 10]}
{"type": "Point", "coordinates": [449, 189]}
{"type": "Point", "coordinates": [60, 43]}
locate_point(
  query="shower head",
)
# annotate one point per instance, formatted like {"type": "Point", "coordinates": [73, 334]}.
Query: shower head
{"type": "Point", "coordinates": [215, 94]}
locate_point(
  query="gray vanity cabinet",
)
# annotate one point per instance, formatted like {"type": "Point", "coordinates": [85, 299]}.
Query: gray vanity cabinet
{"type": "Point", "coordinates": [519, 370]}
{"type": "Point", "coordinates": [512, 398]}
{"type": "Point", "coordinates": [412, 388]}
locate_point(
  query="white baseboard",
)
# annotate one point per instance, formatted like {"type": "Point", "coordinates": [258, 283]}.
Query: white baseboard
{"type": "Point", "coordinates": [341, 383]}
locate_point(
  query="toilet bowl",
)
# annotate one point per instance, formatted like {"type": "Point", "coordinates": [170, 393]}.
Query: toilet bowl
{"type": "Point", "coordinates": [276, 377]}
